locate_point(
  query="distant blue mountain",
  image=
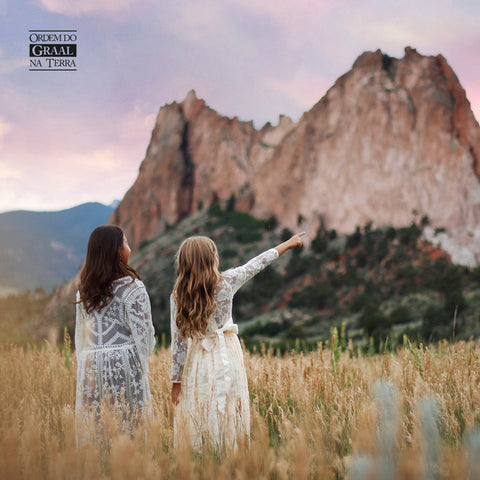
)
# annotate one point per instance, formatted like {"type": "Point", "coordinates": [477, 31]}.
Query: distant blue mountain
{"type": "Point", "coordinates": [45, 249]}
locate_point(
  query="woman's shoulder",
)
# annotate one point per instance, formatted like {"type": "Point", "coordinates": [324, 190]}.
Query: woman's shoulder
{"type": "Point", "coordinates": [130, 287]}
{"type": "Point", "coordinates": [226, 273]}
{"type": "Point", "coordinates": [225, 277]}
{"type": "Point", "coordinates": [224, 281]}
{"type": "Point", "coordinates": [136, 284]}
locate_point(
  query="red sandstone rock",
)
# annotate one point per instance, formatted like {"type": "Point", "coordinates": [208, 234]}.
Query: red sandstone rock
{"type": "Point", "coordinates": [391, 141]}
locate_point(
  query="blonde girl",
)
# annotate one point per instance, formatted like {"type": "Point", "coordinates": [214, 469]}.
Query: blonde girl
{"type": "Point", "coordinates": [209, 383]}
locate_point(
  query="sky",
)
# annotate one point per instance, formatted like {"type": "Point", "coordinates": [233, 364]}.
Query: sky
{"type": "Point", "coordinates": [72, 137]}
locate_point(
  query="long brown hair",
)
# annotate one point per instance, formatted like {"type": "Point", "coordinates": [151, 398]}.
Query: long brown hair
{"type": "Point", "coordinates": [102, 266]}
{"type": "Point", "coordinates": [197, 277]}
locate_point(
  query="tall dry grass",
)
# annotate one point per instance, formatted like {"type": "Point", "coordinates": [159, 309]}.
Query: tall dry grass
{"type": "Point", "coordinates": [329, 414]}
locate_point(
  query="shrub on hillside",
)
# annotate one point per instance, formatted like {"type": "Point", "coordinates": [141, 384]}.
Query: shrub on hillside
{"type": "Point", "coordinates": [475, 275]}
{"type": "Point", "coordinates": [261, 290]}
{"type": "Point", "coordinates": [315, 296]}
{"type": "Point", "coordinates": [271, 223]}
{"type": "Point", "coordinates": [360, 258]}
{"type": "Point", "coordinates": [368, 300]}
{"type": "Point", "coordinates": [300, 265]}
{"type": "Point", "coordinates": [390, 234]}
{"type": "Point", "coordinates": [248, 236]}
{"type": "Point", "coordinates": [408, 236]}
{"type": "Point", "coordinates": [320, 242]}
{"type": "Point", "coordinates": [354, 239]}
{"type": "Point", "coordinates": [400, 315]}
{"type": "Point", "coordinates": [400, 255]}
{"type": "Point", "coordinates": [376, 325]}
{"type": "Point", "coordinates": [228, 253]}
{"type": "Point", "coordinates": [268, 329]}
{"type": "Point", "coordinates": [382, 249]}
{"type": "Point", "coordinates": [351, 275]}
{"type": "Point", "coordinates": [294, 332]}
{"type": "Point", "coordinates": [436, 324]}
{"type": "Point", "coordinates": [447, 279]}
{"type": "Point", "coordinates": [286, 234]}
{"type": "Point", "coordinates": [265, 285]}
{"type": "Point", "coordinates": [332, 254]}
{"type": "Point", "coordinates": [335, 279]}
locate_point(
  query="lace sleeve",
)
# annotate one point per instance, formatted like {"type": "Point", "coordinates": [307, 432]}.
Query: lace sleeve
{"type": "Point", "coordinates": [239, 275]}
{"type": "Point", "coordinates": [179, 345]}
{"type": "Point", "coordinates": [79, 342]}
{"type": "Point", "coordinates": [139, 318]}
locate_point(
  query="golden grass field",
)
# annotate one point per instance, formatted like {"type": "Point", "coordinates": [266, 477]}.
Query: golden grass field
{"type": "Point", "coordinates": [321, 415]}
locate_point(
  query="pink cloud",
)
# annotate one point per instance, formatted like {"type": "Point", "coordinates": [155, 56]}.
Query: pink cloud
{"type": "Point", "coordinates": [82, 7]}
{"type": "Point", "coordinates": [67, 157]}
{"type": "Point", "coordinates": [67, 179]}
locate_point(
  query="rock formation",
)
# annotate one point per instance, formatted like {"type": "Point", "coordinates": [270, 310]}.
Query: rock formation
{"type": "Point", "coordinates": [392, 140]}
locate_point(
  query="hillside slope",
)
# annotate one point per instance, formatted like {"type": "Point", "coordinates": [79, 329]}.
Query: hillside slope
{"type": "Point", "coordinates": [376, 283]}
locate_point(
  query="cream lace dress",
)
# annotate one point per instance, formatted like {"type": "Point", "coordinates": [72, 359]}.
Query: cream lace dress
{"type": "Point", "coordinates": [214, 408]}
{"type": "Point", "coordinates": [112, 347]}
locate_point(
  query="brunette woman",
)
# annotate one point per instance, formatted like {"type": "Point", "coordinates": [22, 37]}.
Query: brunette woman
{"type": "Point", "coordinates": [114, 334]}
{"type": "Point", "coordinates": [208, 374]}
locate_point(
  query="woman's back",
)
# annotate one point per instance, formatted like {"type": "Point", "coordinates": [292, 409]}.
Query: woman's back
{"type": "Point", "coordinates": [108, 327]}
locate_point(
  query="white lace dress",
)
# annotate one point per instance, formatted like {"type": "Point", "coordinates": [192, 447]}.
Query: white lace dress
{"type": "Point", "coordinates": [214, 406]}
{"type": "Point", "coordinates": [112, 347]}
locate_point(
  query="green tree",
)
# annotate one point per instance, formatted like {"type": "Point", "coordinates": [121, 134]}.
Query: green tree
{"type": "Point", "coordinates": [354, 239]}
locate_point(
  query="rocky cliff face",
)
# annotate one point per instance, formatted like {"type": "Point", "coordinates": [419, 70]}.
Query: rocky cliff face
{"type": "Point", "coordinates": [393, 140]}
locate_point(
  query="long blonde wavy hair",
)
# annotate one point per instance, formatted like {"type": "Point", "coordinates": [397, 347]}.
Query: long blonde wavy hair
{"type": "Point", "coordinates": [197, 277]}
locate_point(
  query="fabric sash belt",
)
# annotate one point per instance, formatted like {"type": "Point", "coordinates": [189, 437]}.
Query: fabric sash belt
{"type": "Point", "coordinates": [99, 348]}
{"type": "Point", "coordinates": [216, 340]}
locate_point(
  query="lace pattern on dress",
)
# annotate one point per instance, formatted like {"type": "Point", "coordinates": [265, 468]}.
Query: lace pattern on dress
{"type": "Point", "coordinates": [112, 347]}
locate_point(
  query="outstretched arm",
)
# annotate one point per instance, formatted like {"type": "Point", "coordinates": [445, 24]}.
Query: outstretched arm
{"type": "Point", "coordinates": [236, 277]}
{"type": "Point", "coordinates": [293, 242]}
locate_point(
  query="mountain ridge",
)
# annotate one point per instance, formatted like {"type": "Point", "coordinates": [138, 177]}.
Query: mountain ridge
{"type": "Point", "coordinates": [391, 140]}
